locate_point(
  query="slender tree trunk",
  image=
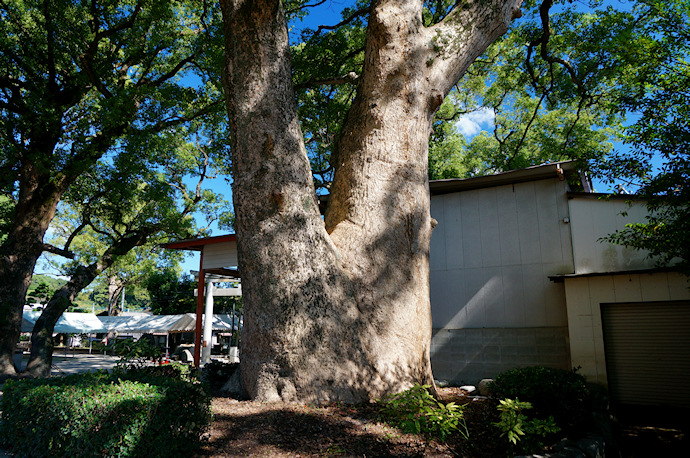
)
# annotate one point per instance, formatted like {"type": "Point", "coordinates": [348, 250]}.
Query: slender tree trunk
{"type": "Point", "coordinates": [42, 343]}
{"type": "Point", "coordinates": [13, 271]}
{"type": "Point", "coordinates": [115, 287]}
{"type": "Point", "coordinates": [340, 311]}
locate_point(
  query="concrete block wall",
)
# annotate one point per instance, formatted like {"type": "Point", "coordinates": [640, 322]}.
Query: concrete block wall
{"type": "Point", "coordinates": [465, 356]}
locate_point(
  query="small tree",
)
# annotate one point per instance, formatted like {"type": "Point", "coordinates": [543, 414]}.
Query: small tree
{"type": "Point", "coordinates": [171, 294]}
{"type": "Point", "coordinates": [42, 293]}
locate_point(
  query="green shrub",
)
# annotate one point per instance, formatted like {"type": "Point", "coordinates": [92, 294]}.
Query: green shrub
{"type": "Point", "coordinates": [173, 370]}
{"type": "Point", "coordinates": [98, 347]}
{"type": "Point", "coordinates": [552, 392]}
{"type": "Point", "coordinates": [418, 412]}
{"type": "Point", "coordinates": [97, 414]}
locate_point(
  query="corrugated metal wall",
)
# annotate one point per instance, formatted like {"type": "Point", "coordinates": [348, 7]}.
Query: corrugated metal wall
{"type": "Point", "coordinates": [647, 348]}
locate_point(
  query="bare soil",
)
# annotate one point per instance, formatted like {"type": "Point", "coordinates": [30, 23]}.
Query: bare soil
{"type": "Point", "coordinates": [247, 428]}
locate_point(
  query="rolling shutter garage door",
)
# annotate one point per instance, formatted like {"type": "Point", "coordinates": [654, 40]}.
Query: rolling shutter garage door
{"type": "Point", "coordinates": [647, 349]}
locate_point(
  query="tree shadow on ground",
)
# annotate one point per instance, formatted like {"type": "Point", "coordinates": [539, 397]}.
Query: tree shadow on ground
{"type": "Point", "coordinates": [244, 428]}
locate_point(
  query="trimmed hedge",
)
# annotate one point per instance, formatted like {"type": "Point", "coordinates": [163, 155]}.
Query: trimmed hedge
{"type": "Point", "coordinates": [137, 413]}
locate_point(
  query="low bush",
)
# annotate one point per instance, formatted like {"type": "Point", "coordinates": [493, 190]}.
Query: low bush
{"type": "Point", "coordinates": [552, 392]}
{"type": "Point", "coordinates": [416, 411]}
{"type": "Point", "coordinates": [172, 370]}
{"type": "Point", "coordinates": [138, 413]}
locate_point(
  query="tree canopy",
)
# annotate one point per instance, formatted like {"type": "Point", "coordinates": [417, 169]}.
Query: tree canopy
{"type": "Point", "coordinates": [99, 100]}
{"type": "Point", "coordinates": [600, 82]}
{"type": "Point", "coordinates": [659, 92]}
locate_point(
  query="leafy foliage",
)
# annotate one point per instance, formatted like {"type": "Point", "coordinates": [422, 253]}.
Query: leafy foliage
{"type": "Point", "coordinates": [543, 91]}
{"type": "Point", "coordinates": [170, 294]}
{"type": "Point", "coordinates": [417, 411]}
{"type": "Point", "coordinates": [660, 92]}
{"type": "Point", "coordinates": [41, 293]}
{"type": "Point", "coordinates": [515, 426]}
{"type": "Point", "coordinates": [102, 105]}
{"type": "Point", "coordinates": [134, 354]}
{"type": "Point", "coordinates": [561, 394]}
{"type": "Point", "coordinates": [216, 373]}
{"type": "Point", "coordinates": [97, 414]}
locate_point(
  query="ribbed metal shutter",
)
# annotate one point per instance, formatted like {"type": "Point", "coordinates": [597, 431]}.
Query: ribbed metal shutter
{"type": "Point", "coordinates": [647, 349]}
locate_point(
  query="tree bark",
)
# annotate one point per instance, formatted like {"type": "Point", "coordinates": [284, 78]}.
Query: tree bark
{"type": "Point", "coordinates": [115, 287]}
{"type": "Point", "coordinates": [18, 255]}
{"type": "Point", "coordinates": [42, 344]}
{"type": "Point", "coordinates": [340, 311]}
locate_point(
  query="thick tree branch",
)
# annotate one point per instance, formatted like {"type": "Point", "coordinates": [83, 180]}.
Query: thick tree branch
{"type": "Point", "coordinates": [50, 44]}
{"type": "Point", "coordinates": [58, 251]}
{"type": "Point", "coordinates": [347, 20]}
{"type": "Point", "coordinates": [543, 41]}
{"type": "Point", "coordinates": [453, 48]}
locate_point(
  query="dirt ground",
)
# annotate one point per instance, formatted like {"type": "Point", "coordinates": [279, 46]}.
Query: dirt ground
{"type": "Point", "coordinates": [245, 428]}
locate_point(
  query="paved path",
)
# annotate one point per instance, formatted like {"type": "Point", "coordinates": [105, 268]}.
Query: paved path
{"type": "Point", "coordinates": [73, 363]}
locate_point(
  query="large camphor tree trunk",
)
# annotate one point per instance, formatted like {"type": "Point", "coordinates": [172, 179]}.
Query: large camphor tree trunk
{"type": "Point", "coordinates": [35, 209]}
{"type": "Point", "coordinates": [338, 310]}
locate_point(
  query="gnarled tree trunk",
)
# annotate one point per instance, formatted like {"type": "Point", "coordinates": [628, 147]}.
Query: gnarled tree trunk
{"type": "Point", "coordinates": [35, 209]}
{"type": "Point", "coordinates": [339, 310]}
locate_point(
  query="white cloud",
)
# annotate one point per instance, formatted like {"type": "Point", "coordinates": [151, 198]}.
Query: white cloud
{"type": "Point", "coordinates": [472, 123]}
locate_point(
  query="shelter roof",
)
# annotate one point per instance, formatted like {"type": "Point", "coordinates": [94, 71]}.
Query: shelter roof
{"type": "Point", "coordinates": [163, 323]}
{"type": "Point", "coordinates": [68, 323]}
{"type": "Point", "coordinates": [537, 172]}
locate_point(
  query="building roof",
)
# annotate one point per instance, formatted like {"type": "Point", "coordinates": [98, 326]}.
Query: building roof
{"type": "Point", "coordinates": [198, 243]}
{"type": "Point", "coordinates": [655, 270]}
{"type": "Point", "coordinates": [537, 172]}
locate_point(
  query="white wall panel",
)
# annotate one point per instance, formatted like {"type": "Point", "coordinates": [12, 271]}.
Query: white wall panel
{"type": "Point", "coordinates": [481, 233]}
{"type": "Point", "coordinates": [220, 255]}
{"type": "Point", "coordinates": [592, 219]}
{"type": "Point", "coordinates": [470, 232]}
{"type": "Point", "coordinates": [508, 228]}
{"type": "Point", "coordinates": [438, 239]}
{"type": "Point", "coordinates": [488, 227]}
{"type": "Point", "coordinates": [528, 223]}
